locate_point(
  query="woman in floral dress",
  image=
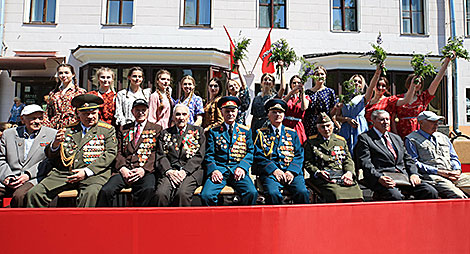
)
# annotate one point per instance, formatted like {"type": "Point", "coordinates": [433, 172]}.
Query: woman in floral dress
{"type": "Point", "coordinates": [257, 107]}
{"type": "Point", "coordinates": [194, 102]}
{"type": "Point", "coordinates": [106, 91]}
{"type": "Point", "coordinates": [126, 97]}
{"type": "Point", "coordinates": [212, 114]}
{"type": "Point", "coordinates": [60, 112]}
{"type": "Point", "coordinates": [160, 101]}
{"type": "Point", "coordinates": [322, 99]}
{"type": "Point", "coordinates": [406, 115]}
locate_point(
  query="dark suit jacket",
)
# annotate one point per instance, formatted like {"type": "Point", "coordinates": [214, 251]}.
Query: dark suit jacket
{"type": "Point", "coordinates": [127, 152]}
{"type": "Point", "coordinates": [182, 152]}
{"type": "Point", "coordinates": [373, 157]}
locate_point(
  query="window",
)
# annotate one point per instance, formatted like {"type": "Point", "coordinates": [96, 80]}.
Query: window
{"type": "Point", "coordinates": [413, 16]}
{"type": "Point", "coordinates": [42, 11]}
{"type": "Point", "coordinates": [197, 13]}
{"type": "Point", "coordinates": [345, 15]}
{"type": "Point", "coordinates": [120, 12]}
{"type": "Point", "coordinates": [467, 16]}
{"type": "Point", "coordinates": [272, 13]}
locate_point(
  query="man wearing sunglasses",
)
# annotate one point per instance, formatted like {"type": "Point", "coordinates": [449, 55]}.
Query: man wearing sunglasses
{"type": "Point", "coordinates": [22, 159]}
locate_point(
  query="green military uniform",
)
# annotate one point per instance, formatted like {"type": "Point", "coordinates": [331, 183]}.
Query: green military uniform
{"type": "Point", "coordinates": [331, 155]}
{"type": "Point", "coordinates": [95, 150]}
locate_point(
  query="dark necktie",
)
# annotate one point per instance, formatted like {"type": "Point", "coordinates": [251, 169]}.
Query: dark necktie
{"type": "Point", "coordinates": [230, 132]}
{"type": "Point", "coordinates": [277, 133]}
{"type": "Point", "coordinates": [390, 146]}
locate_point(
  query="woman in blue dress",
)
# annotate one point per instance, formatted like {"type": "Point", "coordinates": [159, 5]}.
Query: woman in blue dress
{"type": "Point", "coordinates": [352, 113]}
{"type": "Point", "coordinates": [194, 102]}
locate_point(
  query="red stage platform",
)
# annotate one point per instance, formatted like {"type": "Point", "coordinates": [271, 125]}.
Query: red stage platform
{"type": "Point", "coordinates": [440, 226]}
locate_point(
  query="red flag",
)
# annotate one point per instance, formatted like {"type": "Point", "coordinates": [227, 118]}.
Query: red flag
{"type": "Point", "coordinates": [232, 50]}
{"type": "Point", "coordinates": [267, 66]}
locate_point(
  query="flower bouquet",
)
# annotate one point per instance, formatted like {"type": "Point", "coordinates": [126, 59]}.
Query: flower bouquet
{"type": "Point", "coordinates": [240, 50]}
{"type": "Point", "coordinates": [455, 45]}
{"type": "Point", "coordinates": [349, 91]}
{"type": "Point", "coordinates": [280, 51]}
{"type": "Point", "coordinates": [422, 67]}
{"type": "Point", "coordinates": [378, 55]}
{"type": "Point", "coordinates": [307, 70]}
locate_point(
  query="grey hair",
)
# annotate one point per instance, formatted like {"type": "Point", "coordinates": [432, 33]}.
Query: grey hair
{"type": "Point", "coordinates": [378, 112]}
{"type": "Point", "coordinates": [180, 105]}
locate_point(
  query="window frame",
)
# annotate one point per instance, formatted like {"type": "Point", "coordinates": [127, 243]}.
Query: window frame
{"type": "Point", "coordinates": [466, 18]}
{"type": "Point", "coordinates": [286, 8]}
{"type": "Point", "coordinates": [343, 17]}
{"type": "Point", "coordinates": [183, 15]}
{"type": "Point", "coordinates": [424, 19]}
{"type": "Point", "coordinates": [104, 13]}
{"type": "Point", "coordinates": [28, 13]}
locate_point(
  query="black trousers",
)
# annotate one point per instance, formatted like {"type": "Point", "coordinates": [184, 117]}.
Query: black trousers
{"type": "Point", "coordinates": [182, 195]}
{"type": "Point", "coordinates": [142, 190]}
{"type": "Point", "coordinates": [420, 191]}
{"type": "Point", "coordinates": [18, 196]}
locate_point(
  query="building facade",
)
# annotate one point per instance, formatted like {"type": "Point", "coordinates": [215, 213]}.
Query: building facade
{"type": "Point", "coordinates": [188, 37]}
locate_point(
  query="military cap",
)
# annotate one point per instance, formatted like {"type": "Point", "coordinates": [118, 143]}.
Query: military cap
{"type": "Point", "coordinates": [139, 102]}
{"type": "Point", "coordinates": [228, 102]}
{"type": "Point", "coordinates": [275, 104]}
{"type": "Point", "coordinates": [84, 102]}
{"type": "Point", "coordinates": [323, 118]}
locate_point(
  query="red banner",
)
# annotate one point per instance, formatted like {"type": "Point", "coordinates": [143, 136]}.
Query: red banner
{"type": "Point", "coordinates": [436, 226]}
{"type": "Point", "coordinates": [267, 66]}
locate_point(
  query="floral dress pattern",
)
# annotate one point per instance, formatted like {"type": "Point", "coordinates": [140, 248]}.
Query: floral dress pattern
{"type": "Point", "coordinates": [196, 107]}
{"type": "Point", "coordinates": [387, 104]}
{"type": "Point", "coordinates": [407, 114]}
{"type": "Point", "coordinates": [60, 112]}
{"type": "Point", "coordinates": [109, 107]}
{"type": "Point", "coordinates": [294, 115]}
{"type": "Point", "coordinates": [245, 100]}
{"type": "Point", "coordinates": [320, 101]}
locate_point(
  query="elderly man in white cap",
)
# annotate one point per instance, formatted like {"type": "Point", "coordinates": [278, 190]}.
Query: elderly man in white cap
{"type": "Point", "coordinates": [435, 157]}
{"type": "Point", "coordinates": [22, 159]}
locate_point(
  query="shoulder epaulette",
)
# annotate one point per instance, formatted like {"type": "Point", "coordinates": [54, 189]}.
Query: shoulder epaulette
{"type": "Point", "coordinates": [216, 127]}
{"type": "Point", "coordinates": [105, 125]}
{"type": "Point", "coordinates": [313, 136]}
{"type": "Point", "coordinates": [289, 129]}
{"type": "Point", "coordinates": [340, 137]}
{"type": "Point", "coordinates": [244, 127]}
{"type": "Point", "coordinates": [72, 125]}
{"type": "Point", "coordinates": [263, 129]}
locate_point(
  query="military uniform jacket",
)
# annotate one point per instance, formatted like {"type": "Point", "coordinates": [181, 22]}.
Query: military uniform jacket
{"type": "Point", "coordinates": [332, 154]}
{"type": "Point", "coordinates": [142, 154]}
{"type": "Point", "coordinates": [96, 151]}
{"type": "Point", "coordinates": [225, 154]}
{"type": "Point", "coordinates": [12, 161]}
{"type": "Point", "coordinates": [283, 152]}
{"type": "Point", "coordinates": [184, 152]}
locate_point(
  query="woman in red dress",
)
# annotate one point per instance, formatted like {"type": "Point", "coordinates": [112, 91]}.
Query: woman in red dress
{"type": "Point", "coordinates": [106, 91]}
{"type": "Point", "coordinates": [406, 115]}
{"type": "Point", "coordinates": [60, 111]}
{"type": "Point", "coordinates": [297, 103]}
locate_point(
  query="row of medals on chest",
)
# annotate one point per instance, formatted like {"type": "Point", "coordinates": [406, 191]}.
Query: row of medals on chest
{"type": "Point", "coordinates": [190, 143]}
{"type": "Point", "coordinates": [146, 145]}
{"type": "Point", "coordinates": [286, 149]}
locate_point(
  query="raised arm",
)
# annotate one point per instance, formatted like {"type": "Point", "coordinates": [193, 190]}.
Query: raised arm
{"type": "Point", "coordinates": [283, 85]}
{"type": "Point", "coordinates": [409, 94]}
{"type": "Point", "coordinates": [437, 80]}
{"type": "Point", "coordinates": [373, 84]}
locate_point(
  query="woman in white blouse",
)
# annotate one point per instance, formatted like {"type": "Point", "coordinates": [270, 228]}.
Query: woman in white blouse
{"type": "Point", "coordinates": [126, 97]}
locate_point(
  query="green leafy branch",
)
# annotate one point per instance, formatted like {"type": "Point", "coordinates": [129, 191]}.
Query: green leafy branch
{"type": "Point", "coordinates": [349, 91]}
{"type": "Point", "coordinates": [455, 45]}
{"type": "Point", "coordinates": [280, 51]}
{"type": "Point", "coordinates": [422, 67]}
{"type": "Point", "coordinates": [240, 50]}
{"type": "Point", "coordinates": [378, 55]}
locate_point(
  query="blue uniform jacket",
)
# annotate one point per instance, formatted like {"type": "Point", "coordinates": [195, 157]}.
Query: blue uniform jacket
{"type": "Point", "coordinates": [284, 153]}
{"type": "Point", "coordinates": [223, 155]}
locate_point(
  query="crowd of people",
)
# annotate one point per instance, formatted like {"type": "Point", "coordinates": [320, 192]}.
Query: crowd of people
{"type": "Point", "coordinates": [100, 142]}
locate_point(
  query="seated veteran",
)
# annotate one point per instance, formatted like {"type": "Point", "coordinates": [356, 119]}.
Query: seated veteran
{"type": "Point", "coordinates": [279, 156]}
{"type": "Point", "coordinates": [435, 157]}
{"type": "Point", "coordinates": [229, 156]}
{"type": "Point", "coordinates": [23, 162]}
{"type": "Point", "coordinates": [330, 165]}
{"type": "Point", "coordinates": [135, 160]}
{"type": "Point", "coordinates": [181, 150]}
{"type": "Point", "coordinates": [388, 168]}
{"type": "Point", "coordinates": [81, 155]}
